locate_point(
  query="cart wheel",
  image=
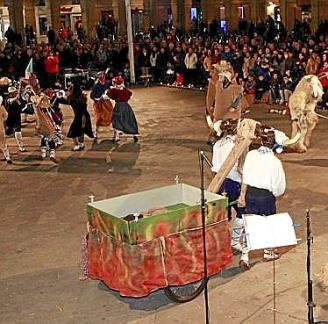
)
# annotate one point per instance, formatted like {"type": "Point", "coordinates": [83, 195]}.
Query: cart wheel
{"type": "Point", "coordinates": [185, 293]}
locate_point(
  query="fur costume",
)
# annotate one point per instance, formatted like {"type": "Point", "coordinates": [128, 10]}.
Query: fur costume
{"type": "Point", "coordinates": [302, 104]}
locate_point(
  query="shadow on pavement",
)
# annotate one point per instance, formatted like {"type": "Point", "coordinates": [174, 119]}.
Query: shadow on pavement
{"type": "Point", "coordinates": [152, 302]}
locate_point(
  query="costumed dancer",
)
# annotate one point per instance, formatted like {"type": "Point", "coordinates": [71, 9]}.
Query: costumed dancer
{"type": "Point", "coordinates": [263, 181]}
{"type": "Point", "coordinates": [13, 123]}
{"type": "Point", "coordinates": [124, 120]}
{"type": "Point", "coordinates": [81, 124]}
{"type": "Point", "coordinates": [102, 105]}
{"type": "Point", "coordinates": [47, 128]}
{"type": "Point", "coordinates": [28, 103]}
{"type": "Point", "coordinates": [56, 98]}
{"type": "Point", "coordinates": [3, 118]}
{"type": "Point", "coordinates": [228, 96]}
{"type": "Point", "coordinates": [232, 184]}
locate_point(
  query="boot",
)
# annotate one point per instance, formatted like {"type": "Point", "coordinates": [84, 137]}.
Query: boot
{"type": "Point", "coordinates": [19, 140]}
{"type": "Point", "coordinates": [237, 230]}
{"type": "Point", "coordinates": [6, 155]}
{"type": "Point", "coordinates": [81, 143]}
{"type": "Point", "coordinates": [76, 145]}
{"type": "Point", "coordinates": [43, 150]}
{"type": "Point", "coordinates": [52, 156]}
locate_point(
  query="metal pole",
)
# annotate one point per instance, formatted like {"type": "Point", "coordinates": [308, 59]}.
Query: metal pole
{"type": "Point", "coordinates": [204, 212]}
{"type": "Point", "coordinates": [274, 292]}
{"type": "Point", "coordinates": [311, 304]}
{"type": "Point", "coordinates": [130, 40]}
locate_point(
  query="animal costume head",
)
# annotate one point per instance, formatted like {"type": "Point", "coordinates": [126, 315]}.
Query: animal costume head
{"type": "Point", "coordinates": [315, 86]}
{"type": "Point", "coordinates": [225, 73]}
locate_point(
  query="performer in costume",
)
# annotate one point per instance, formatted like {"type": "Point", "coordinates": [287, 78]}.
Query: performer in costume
{"type": "Point", "coordinates": [56, 98]}
{"type": "Point", "coordinates": [47, 128]}
{"type": "Point", "coordinates": [81, 124]}
{"type": "Point", "coordinates": [228, 98]}
{"type": "Point", "coordinates": [124, 120]}
{"type": "Point", "coordinates": [102, 105]}
{"type": "Point", "coordinates": [28, 103]}
{"type": "Point", "coordinates": [224, 98]}
{"type": "Point", "coordinates": [13, 123]}
{"type": "Point", "coordinates": [221, 150]}
{"type": "Point", "coordinates": [3, 118]}
{"type": "Point", "coordinates": [263, 181]}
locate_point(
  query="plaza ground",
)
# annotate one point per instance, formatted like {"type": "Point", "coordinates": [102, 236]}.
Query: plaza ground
{"type": "Point", "coordinates": [43, 219]}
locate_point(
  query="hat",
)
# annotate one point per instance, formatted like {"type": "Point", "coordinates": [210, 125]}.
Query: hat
{"type": "Point", "coordinates": [266, 134]}
{"type": "Point", "coordinates": [12, 90]}
{"type": "Point", "coordinates": [118, 82]}
{"type": "Point", "coordinates": [229, 126]}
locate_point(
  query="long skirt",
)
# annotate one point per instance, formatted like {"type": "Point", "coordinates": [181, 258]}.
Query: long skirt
{"type": "Point", "coordinates": [103, 112]}
{"type": "Point", "coordinates": [124, 119]}
{"type": "Point", "coordinates": [81, 125]}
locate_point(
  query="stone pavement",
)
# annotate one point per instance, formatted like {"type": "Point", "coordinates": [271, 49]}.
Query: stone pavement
{"type": "Point", "coordinates": [248, 298]}
{"type": "Point", "coordinates": [43, 220]}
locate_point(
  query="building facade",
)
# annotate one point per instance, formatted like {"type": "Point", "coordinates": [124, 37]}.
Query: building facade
{"type": "Point", "coordinates": [41, 14]}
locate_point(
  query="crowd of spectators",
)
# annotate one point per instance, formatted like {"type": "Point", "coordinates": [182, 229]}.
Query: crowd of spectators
{"type": "Point", "coordinates": [264, 57]}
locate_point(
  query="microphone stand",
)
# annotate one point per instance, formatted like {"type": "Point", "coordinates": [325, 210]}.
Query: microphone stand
{"type": "Point", "coordinates": [310, 302]}
{"type": "Point", "coordinates": [202, 159]}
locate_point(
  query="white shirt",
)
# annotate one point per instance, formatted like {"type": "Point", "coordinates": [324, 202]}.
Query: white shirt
{"type": "Point", "coordinates": [191, 60]}
{"type": "Point", "coordinates": [263, 170]}
{"type": "Point", "coordinates": [221, 151]}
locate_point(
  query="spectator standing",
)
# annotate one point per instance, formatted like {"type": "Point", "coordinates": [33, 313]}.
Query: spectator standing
{"type": "Point", "coordinates": [144, 61]}
{"type": "Point", "coordinates": [51, 36]}
{"type": "Point", "coordinates": [207, 63]}
{"type": "Point", "coordinates": [153, 63]}
{"type": "Point", "coordinates": [191, 65]}
{"type": "Point", "coordinates": [162, 60]}
{"type": "Point", "coordinates": [312, 65]}
{"type": "Point", "coordinates": [51, 65]}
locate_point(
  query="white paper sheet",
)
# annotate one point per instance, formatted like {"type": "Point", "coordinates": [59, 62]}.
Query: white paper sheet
{"type": "Point", "coordinates": [269, 231]}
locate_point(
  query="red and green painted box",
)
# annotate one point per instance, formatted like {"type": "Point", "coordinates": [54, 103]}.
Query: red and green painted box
{"type": "Point", "coordinates": [139, 257]}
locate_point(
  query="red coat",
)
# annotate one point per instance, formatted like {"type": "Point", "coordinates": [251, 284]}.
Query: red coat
{"type": "Point", "coordinates": [51, 64]}
{"type": "Point", "coordinates": [323, 76]}
{"type": "Point", "coordinates": [122, 95]}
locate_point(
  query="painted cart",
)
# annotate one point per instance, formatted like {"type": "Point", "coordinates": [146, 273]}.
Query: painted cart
{"type": "Point", "coordinates": [161, 250]}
